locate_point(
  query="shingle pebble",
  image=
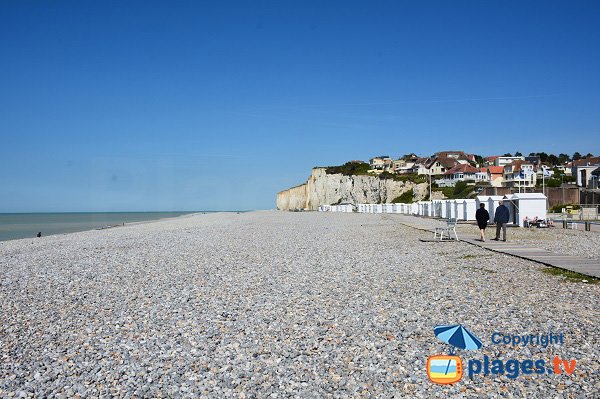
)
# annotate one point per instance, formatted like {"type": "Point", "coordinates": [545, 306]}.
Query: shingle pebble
{"type": "Point", "coordinates": [275, 304]}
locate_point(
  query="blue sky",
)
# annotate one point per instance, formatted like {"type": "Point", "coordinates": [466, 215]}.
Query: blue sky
{"type": "Point", "coordinates": [186, 105]}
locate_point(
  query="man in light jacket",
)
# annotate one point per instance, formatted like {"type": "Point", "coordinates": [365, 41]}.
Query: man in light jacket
{"type": "Point", "coordinates": [501, 217]}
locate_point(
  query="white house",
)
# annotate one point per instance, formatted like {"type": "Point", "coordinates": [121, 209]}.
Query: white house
{"type": "Point", "coordinates": [461, 172]}
{"type": "Point", "coordinates": [381, 163]}
{"type": "Point", "coordinates": [519, 174]}
{"type": "Point", "coordinates": [584, 175]}
{"type": "Point", "coordinates": [402, 166]}
{"type": "Point", "coordinates": [503, 161]}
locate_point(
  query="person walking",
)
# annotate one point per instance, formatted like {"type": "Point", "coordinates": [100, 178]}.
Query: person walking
{"type": "Point", "coordinates": [482, 217]}
{"type": "Point", "coordinates": [501, 218]}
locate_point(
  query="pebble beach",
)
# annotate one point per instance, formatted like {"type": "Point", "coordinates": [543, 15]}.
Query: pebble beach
{"type": "Point", "coordinates": [274, 304]}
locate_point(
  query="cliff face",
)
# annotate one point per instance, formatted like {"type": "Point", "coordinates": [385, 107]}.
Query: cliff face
{"type": "Point", "coordinates": [324, 189]}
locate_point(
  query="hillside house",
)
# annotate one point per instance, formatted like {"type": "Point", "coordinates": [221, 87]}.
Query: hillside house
{"type": "Point", "coordinates": [495, 175]}
{"type": "Point", "coordinates": [402, 166]}
{"type": "Point", "coordinates": [440, 164]}
{"type": "Point", "coordinates": [503, 161]}
{"type": "Point", "coordinates": [461, 172]}
{"type": "Point", "coordinates": [519, 173]}
{"type": "Point", "coordinates": [582, 169]}
{"type": "Point", "coordinates": [381, 163]}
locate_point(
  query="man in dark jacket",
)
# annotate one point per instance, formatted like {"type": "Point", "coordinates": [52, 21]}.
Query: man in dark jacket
{"type": "Point", "coordinates": [501, 217]}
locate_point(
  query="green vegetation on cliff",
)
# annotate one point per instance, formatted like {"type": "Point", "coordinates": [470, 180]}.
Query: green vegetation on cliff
{"type": "Point", "coordinates": [405, 198]}
{"type": "Point", "coordinates": [412, 177]}
{"type": "Point", "coordinates": [462, 189]}
{"type": "Point", "coordinates": [349, 169]}
{"type": "Point", "coordinates": [362, 169]}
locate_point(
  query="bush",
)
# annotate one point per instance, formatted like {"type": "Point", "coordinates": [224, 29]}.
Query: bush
{"type": "Point", "coordinates": [405, 198]}
{"type": "Point", "coordinates": [558, 208]}
{"type": "Point", "coordinates": [349, 169]}
{"type": "Point", "coordinates": [353, 168]}
{"type": "Point", "coordinates": [386, 175]}
{"type": "Point", "coordinates": [555, 181]}
{"type": "Point", "coordinates": [551, 183]}
{"type": "Point", "coordinates": [461, 190]}
{"type": "Point", "coordinates": [412, 177]}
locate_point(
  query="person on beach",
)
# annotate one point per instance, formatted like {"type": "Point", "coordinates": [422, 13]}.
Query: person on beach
{"type": "Point", "coordinates": [482, 217]}
{"type": "Point", "coordinates": [501, 217]}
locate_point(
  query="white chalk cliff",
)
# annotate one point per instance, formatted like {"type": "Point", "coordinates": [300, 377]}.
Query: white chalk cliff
{"type": "Point", "coordinates": [327, 189]}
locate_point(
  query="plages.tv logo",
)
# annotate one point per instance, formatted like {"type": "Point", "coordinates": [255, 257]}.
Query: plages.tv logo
{"type": "Point", "coordinates": [448, 369]}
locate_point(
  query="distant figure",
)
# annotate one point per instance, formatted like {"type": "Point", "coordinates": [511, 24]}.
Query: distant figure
{"type": "Point", "coordinates": [526, 222]}
{"type": "Point", "coordinates": [39, 234]}
{"type": "Point", "coordinates": [501, 217]}
{"type": "Point", "coordinates": [482, 217]}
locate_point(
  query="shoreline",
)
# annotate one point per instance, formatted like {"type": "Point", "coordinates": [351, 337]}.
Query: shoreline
{"type": "Point", "coordinates": [104, 227]}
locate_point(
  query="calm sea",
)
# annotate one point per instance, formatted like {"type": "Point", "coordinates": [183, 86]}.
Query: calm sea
{"type": "Point", "coordinates": [25, 225]}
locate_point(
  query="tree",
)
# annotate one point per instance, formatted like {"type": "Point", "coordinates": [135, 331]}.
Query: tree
{"type": "Point", "coordinates": [518, 154]}
{"type": "Point", "coordinates": [508, 154]}
{"type": "Point", "coordinates": [552, 182]}
{"type": "Point", "coordinates": [576, 156]}
{"type": "Point", "coordinates": [553, 160]}
{"type": "Point", "coordinates": [563, 158]}
{"type": "Point", "coordinates": [589, 155]}
{"type": "Point", "coordinates": [479, 159]}
{"type": "Point", "coordinates": [543, 157]}
{"type": "Point", "coordinates": [532, 154]}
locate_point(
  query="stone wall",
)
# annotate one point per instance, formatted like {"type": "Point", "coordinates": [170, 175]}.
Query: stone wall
{"type": "Point", "coordinates": [556, 195]}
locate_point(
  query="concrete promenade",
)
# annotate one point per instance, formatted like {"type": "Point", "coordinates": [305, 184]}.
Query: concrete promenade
{"type": "Point", "coordinates": [578, 264]}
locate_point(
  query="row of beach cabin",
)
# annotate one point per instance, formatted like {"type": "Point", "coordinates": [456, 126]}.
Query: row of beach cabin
{"type": "Point", "coordinates": [520, 206]}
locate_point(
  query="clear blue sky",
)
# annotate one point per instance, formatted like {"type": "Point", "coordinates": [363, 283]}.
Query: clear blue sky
{"type": "Point", "coordinates": [197, 105]}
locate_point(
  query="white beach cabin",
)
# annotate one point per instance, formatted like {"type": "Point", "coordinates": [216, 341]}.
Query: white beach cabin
{"type": "Point", "coordinates": [459, 209]}
{"type": "Point", "coordinates": [443, 209]}
{"type": "Point", "coordinates": [529, 205]}
{"type": "Point", "coordinates": [426, 208]}
{"type": "Point", "coordinates": [414, 208]}
{"type": "Point", "coordinates": [437, 212]}
{"type": "Point", "coordinates": [470, 207]}
{"type": "Point", "coordinates": [451, 209]}
{"type": "Point", "coordinates": [485, 200]}
{"type": "Point", "coordinates": [492, 203]}
{"type": "Point", "coordinates": [506, 200]}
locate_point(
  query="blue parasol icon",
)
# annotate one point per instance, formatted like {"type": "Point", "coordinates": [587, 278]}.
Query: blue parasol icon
{"type": "Point", "coordinates": [457, 336]}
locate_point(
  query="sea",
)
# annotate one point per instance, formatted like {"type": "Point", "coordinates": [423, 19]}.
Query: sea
{"type": "Point", "coordinates": [27, 225]}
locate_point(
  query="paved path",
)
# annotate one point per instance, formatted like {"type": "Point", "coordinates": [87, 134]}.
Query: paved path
{"type": "Point", "coordinates": [588, 267]}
